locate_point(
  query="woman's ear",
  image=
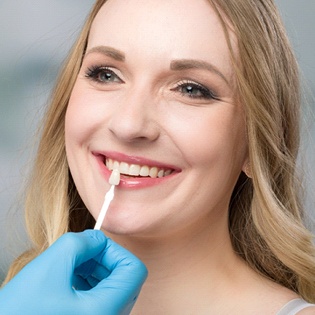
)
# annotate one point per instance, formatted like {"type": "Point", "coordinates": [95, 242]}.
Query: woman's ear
{"type": "Point", "coordinates": [247, 169]}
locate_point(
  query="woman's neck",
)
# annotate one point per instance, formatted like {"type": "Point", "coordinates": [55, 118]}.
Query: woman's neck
{"type": "Point", "coordinates": [192, 266]}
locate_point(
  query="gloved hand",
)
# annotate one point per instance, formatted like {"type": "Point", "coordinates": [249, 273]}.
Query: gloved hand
{"type": "Point", "coordinates": [81, 273]}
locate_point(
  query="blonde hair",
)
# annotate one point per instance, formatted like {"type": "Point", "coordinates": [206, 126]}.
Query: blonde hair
{"type": "Point", "coordinates": [265, 213]}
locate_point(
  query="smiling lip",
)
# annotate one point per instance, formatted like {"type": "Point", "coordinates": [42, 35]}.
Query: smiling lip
{"type": "Point", "coordinates": [136, 172]}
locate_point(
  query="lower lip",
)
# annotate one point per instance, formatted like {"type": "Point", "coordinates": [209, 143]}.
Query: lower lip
{"type": "Point", "coordinates": [133, 182]}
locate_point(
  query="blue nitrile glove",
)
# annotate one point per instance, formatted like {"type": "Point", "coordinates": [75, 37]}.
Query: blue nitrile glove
{"type": "Point", "coordinates": [81, 273]}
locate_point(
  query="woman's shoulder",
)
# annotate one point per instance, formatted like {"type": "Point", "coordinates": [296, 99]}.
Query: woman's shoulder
{"type": "Point", "coordinates": [297, 306]}
{"type": "Point", "coordinates": [307, 311]}
{"type": "Point", "coordinates": [269, 297]}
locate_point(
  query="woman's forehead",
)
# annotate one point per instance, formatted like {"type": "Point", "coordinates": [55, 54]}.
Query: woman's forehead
{"type": "Point", "coordinates": [172, 29]}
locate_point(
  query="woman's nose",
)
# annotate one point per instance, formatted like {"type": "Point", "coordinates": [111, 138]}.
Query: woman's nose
{"type": "Point", "coordinates": [134, 119]}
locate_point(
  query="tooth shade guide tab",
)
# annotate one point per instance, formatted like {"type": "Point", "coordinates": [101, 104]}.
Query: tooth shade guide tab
{"type": "Point", "coordinates": [114, 178]}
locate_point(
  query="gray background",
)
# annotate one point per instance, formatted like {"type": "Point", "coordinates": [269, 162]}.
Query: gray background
{"type": "Point", "coordinates": [35, 36]}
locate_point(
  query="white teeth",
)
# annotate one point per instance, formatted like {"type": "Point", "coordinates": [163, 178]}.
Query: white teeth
{"type": "Point", "coordinates": [134, 170]}
{"type": "Point", "coordinates": [168, 172]}
{"type": "Point", "coordinates": [109, 164]}
{"type": "Point", "coordinates": [124, 168]}
{"type": "Point", "coordinates": [116, 165]}
{"type": "Point", "coordinates": [144, 171]}
{"type": "Point", "coordinates": [137, 170]}
{"type": "Point", "coordinates": [153, 172]}
{"type": "Point", "coordinates": [160, 174]}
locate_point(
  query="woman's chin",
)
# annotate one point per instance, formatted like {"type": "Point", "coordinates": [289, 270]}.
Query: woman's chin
{"type": "Point", "coordinates": [131, 228]}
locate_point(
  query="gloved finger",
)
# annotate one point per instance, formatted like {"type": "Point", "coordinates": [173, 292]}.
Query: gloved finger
{"type": "Point", "coordinates": [127, 272]}
{"type": "Point", "coordinates": [84, 284]}
{"type": "Point", "coordinates": [92, 267]}
{"type": "Point", "coordinates": [91, 272]}
{"type": "Point", "coordinates": [80, 283]}
{"type": "Point", "coordinates": [117, 292]}
{"type": "Point", "coordinates": [81, 246]}
{"type": "Point", "coordinates": [120, 261]}
{"type": "Point", "coordinates": [100, 272]}
{"type": "Point", "coordinates": [86, 269]}
{"type": "Point", "coordinates": [61, 257]}
{"type": "Point", "coordinates": [70, 251]}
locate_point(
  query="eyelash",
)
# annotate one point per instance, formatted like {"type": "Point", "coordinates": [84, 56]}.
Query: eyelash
{"type": "Point", "coordinates": [93, 73]}
{"type": "Point", "coordinates": [204, 92]}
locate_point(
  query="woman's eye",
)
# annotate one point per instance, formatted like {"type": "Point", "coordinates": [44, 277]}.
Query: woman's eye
{"type": "Point", "coordinates": [195, 91]}
{"type": "Point", "coordinates": [103, 75]}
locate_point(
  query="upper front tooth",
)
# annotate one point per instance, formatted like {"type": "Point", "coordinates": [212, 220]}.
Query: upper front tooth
{"type": "Point", "coordinates": [134, 170]}
{"type": "Point", "coordinates": [116, 165]}
{"type": "Point", "coordinates": [124, 168]}
{"type": "Point", "coordinates": [109, 164]}
{"type": "Point", "coordinates": [144, 171]}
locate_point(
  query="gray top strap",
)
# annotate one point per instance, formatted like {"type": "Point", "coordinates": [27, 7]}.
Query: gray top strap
{"type": "Point", "coordinates": [294, 306]}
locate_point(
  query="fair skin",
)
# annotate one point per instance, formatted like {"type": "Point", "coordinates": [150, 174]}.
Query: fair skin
{"type": "Point", "coordinates": [156, 90]}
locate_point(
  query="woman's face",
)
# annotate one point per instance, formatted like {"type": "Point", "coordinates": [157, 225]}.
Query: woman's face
{"type": "Point", "coordinates": [155, 97]}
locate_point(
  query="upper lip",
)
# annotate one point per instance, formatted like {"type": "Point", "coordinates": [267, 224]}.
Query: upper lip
{"type": "Point", "coordinates": [131, 159]}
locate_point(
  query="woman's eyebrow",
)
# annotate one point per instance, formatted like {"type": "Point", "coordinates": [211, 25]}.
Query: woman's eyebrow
{"type": "Point", "coordinates": [107, 51]}
{"type": "Point", "coordinates": [176, 65]}
{"type": "Point", "coordinates": [186, 64]}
